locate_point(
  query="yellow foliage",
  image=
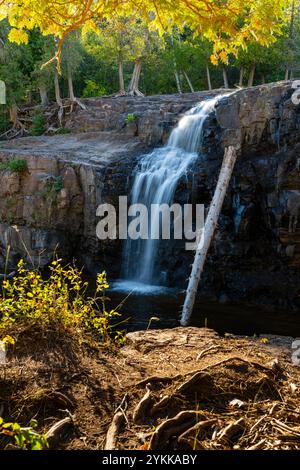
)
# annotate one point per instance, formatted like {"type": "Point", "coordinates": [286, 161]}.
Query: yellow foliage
{"type": "Point", "coordinates": [18, 35]}
{"type": "Point", "coordinates": [228, 24]}
{"type": "Point", "coordinates": [59, 301]}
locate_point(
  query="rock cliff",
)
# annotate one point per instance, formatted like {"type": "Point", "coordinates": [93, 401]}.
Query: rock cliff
{"type": "Point", "coordinates": [256, 252]}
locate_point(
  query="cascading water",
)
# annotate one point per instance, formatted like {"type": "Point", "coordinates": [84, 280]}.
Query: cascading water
{"type": "Point", "coordinates": [156, 180]}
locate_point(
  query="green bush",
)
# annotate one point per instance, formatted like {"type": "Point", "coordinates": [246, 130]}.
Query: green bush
{"type": "Point", "coordinates": [63, 130]}
{"type": "Point", "coordinates": [93, 89]}
{"type": "Point", "coordinates": [18, 165]}
{"type": "Point", "coordinates": [130, 118]}
{"type": "Point", "coordinates": [38, 124]}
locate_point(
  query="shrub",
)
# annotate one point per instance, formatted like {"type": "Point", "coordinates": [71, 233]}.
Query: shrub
{"type": "Point", "coordinates": [38, 124]}
{"type": "Point", "coordinates": [57, 302]}
{"type": "Point", "coordinates": [63, 130]}
{"type": "Point", "coordinates": [130, 118]}
{"type": "Point", "coordinates": [93, 89]}
{"type": "Point", "coordinates": [17, 165]}
{"type": "Point", "coordinates": [26, 438]}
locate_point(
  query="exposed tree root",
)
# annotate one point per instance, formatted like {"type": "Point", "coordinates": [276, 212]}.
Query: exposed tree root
{"type": "Point", "coordinates": [172, 427]}
{"type": "Point", "coordinates": [55, 432]}
{"type": "Point", "coordinates": [114, 430]}
{"type": "Point", "coordinates": [232, 431]}
{"type": "Point", "coordinates": [193, 435]}
{"type": "Point", "coordinates": [142, 407]}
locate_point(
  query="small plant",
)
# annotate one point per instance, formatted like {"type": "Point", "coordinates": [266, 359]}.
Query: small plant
{"type": "Point", "coordinates": [18, 165]}
{"type": "Point", "coordinates": [26, 438]}
{"type": "Point", "coordinates": [60, 302]}
{"type": "Point", "coordinates": [38, 124]}
{"type": "Point", "coordinates": [130, 118]}
{"type": "Point", "coordinates": [63, 130]}
{"type": "Point", "coordinates": [58, 185]}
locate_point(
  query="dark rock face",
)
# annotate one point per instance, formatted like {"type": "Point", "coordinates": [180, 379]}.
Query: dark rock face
{"type": "Point", "coordinates": [255, 255]}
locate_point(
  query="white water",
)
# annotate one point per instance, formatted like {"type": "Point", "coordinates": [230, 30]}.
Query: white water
{"type": "Point", "coordinates": [156, 180]}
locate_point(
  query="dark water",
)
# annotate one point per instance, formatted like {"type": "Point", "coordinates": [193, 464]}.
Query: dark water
{"type": "Point", "coordinates": [139, 308]}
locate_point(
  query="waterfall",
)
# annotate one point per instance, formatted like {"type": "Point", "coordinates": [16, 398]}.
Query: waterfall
{"type": "Point", "coordinates": [156, 178]}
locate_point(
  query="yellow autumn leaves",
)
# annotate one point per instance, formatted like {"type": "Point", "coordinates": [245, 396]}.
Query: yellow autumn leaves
{"type": "Point", "coordinates": [229, 24]}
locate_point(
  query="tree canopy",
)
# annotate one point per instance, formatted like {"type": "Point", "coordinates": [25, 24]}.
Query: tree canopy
{"type": "Point", "coordinates": [228, 24]}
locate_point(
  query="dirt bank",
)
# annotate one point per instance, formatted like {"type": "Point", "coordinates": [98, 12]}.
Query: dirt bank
{"type": "Point", "coordinates": [168, 389]}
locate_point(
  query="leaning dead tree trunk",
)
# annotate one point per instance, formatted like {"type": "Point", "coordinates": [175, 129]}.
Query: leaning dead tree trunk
{"type": "Point", "coordinates": [189, 82]}
{"type": "Point", "coordinates": [208, 233]}
{"type": "Point", "coordinates": [208, 78]}
{"type": "Point", "coordinates": [133, 88]}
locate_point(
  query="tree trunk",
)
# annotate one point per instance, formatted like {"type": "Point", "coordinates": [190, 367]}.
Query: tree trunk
{"type": "Point", "coordinates": [44, 96]}
{"type": "Point", "coordinates": [241, 81]}
{"type": "Point", "coordinates": [70, 86]}
{"type": "Point", "coordinates": [189, 82]}
{"type": "Point", "coordinates": [29, 99]}
{"type": "Point", "coordinates": [208, 78]}
{"type": "Point", "coordinates": [208, 232]}
{"type": "Point", "coordinates": [251, 75]}
{"type": "Point", "coordinates": [225, 78]}
{"type": "Point", "coordinates": [121, 78]}
{"type": "Point", "coordinates": [57, 90]}
{"type": "Point", "coordinates": [133, 88]}
{"type": "Point", "coordinates": [13, 115]}
{"type": "Point", "coordinates": [178, 82]}
{"type": "Point", "coordinates": [287, 73]}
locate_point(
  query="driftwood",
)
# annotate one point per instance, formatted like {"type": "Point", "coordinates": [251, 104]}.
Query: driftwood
{"type": "Point", "coordinates": [114, 430]}
{"type": "Point", "coordinates": [54, 433]}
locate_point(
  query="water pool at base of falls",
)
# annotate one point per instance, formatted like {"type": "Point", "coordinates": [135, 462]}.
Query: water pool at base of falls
{"type": "Point", "coordinates": [139, 302]}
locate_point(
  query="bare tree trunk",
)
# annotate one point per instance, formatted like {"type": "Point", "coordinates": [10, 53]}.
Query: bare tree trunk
{"type": "Point", "coordinates": [178, 82]}
{"type": "Point", "coordinates": [71, 92]}
{"type": "Point", "coordinates": [208, 78]}
{"type": "Point", "coordinates": [241, 81]}
{"type": "Point", "coordinates": [251, 75]}
{"type": "Point", "coordinates": [30, 100]}
{"type": "Point", "coordinates": [225, 78]}
{"type": "Point", "coordinates": [133, 88]}
{"type": "Point", "coordinates": [121, 78]}
{"type": "Point", "coordinates": [287, 73]}
{"type": "Point", "coordinates": [13, 115]}
{"type": "Point", "coordinates": [189, 82]}
{"type": "Point", "coordinates": [57, 90]}
{"type": "Point", "coordinates": [70, 86]}
{"type": "Point", "coordinates": [208, 233]}
{"type": "Point", "coordinates": [44, 95]}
